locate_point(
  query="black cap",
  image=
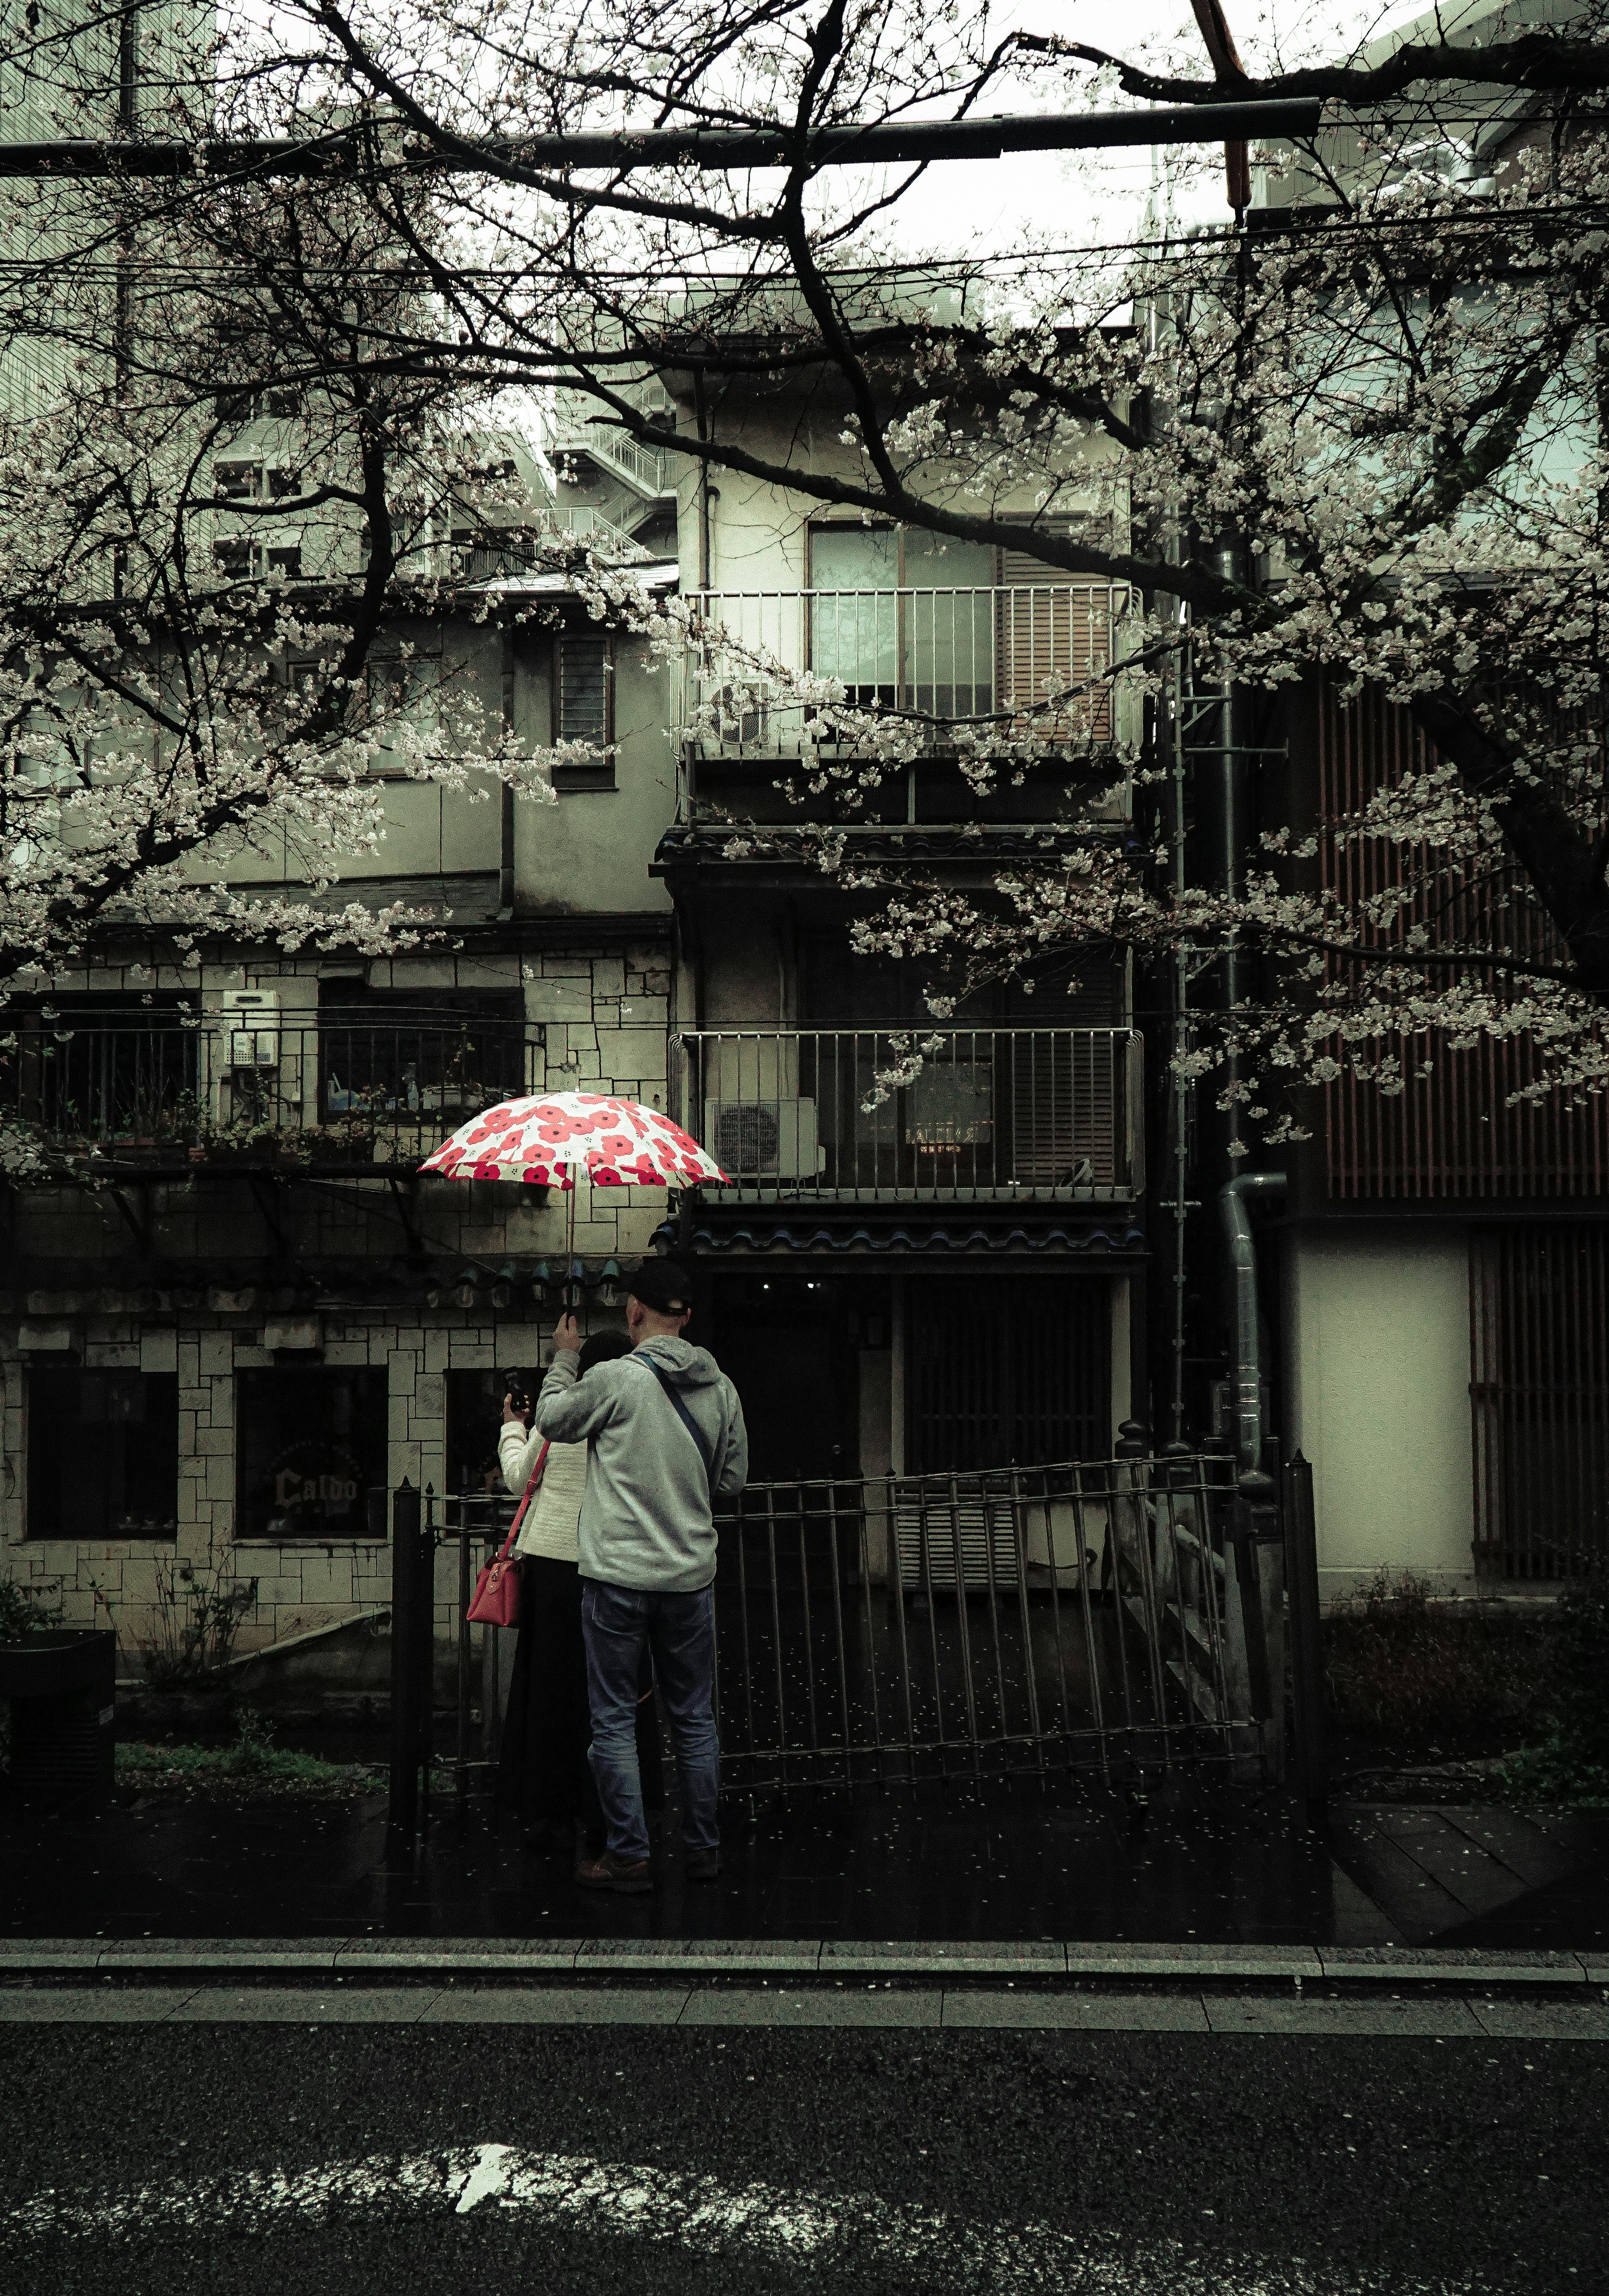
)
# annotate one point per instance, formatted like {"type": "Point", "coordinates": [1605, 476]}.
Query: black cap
{"type": "Point", "coordinates": [664, 1285]}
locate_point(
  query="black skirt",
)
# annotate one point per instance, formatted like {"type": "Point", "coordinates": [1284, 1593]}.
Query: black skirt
{"type": "Point", "coordinates": [542, 1771]}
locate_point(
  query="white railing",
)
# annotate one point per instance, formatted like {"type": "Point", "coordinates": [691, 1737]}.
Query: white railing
{"type": "Point", "coordinates": [990, 1114]}
{"type": "Point", "coordinates": [1030, 660]}
{"type": "Point", "coordinates": [646, 467]}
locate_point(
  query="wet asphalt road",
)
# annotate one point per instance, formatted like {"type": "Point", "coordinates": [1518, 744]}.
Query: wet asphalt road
{"type": "Point", "coordinates": [1231, 2160]}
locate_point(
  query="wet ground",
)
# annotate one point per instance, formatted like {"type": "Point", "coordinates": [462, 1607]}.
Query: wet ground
{"type": "Point", "coordinates": [935, 1864]}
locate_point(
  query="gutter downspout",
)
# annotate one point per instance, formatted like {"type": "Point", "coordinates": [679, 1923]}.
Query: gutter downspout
{"type": "Point", "coordinates": [1247, 1355]}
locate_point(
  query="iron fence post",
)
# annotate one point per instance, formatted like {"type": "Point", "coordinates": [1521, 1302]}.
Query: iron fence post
{"type": "Point", "coordinates": [1253, 1497]}
{"type": "Point", "coordinates": [403, 1813]}
{"type": "Point", "coordinates": [1306, 1652]}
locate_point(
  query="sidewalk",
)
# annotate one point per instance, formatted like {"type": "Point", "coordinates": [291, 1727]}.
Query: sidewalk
{"type": "Point", "coordinates": [933, 1866]}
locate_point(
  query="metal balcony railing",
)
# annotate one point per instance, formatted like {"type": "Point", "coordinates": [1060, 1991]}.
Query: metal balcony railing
{"type": "Point", "coordinates": [256, 1089]}
{"type": "Point", "coordinates": [988, 1114]}
{"type": "Point", "coordinates": [947, 654]}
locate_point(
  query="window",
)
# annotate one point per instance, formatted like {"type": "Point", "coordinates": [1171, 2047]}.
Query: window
{"type": "Point", "coordinates": [232, 558]}
{"type": "Point", "coordinates": [906, 619]}
{"type": "Point", "coordinates": [913, 620]}
{"type": "Point", "coordinates": [474, 1420]}
{"type": "Point", "coordinates": [285, 558]}
{"type": "Point", "coordinates": [103, 1454]}
{"type": "Point", "coordinates": [237, 481]}
{"type": "Point", "coordinates": [429, 1060]}
{"type": "Point", "coordinates": [583, 713]}
{"type": "Point", "coordinates": [311, 1445]}
{"type": "Point", "coordinates": [107, 1067]}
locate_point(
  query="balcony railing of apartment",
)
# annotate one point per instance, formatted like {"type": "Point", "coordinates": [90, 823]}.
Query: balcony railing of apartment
{"type": "Point", "coordinates": [991, 1114]}
{"type": "Point", "coordinates": [946, 654]}
{"type": "Point", "coordinates": [646, 468]}
{"type": "Point", "coordinates": [256, 1089]}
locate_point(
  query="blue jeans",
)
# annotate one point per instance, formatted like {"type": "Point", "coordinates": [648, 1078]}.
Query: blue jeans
{"type": "Point", "coordinates": [679, 1629]}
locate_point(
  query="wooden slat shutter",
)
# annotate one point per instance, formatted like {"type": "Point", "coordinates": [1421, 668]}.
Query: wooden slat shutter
{"type": "Point", "coordinates": [1052, 632]}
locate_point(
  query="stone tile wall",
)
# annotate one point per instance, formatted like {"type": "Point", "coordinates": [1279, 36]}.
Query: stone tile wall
{"type": "Point", "coordinates": [604, 1016]}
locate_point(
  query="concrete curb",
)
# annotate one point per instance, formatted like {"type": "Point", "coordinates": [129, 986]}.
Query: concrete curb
{"type": "Point", "coordinates": [1071, 1965]}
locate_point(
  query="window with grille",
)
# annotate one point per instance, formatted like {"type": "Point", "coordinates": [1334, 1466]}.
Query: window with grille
{"type": "Point", "coordinates": [583, 712]}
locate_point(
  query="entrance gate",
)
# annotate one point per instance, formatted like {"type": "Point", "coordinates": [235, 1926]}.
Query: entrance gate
{"type": "Point", "coordinates": [1120, 1620]}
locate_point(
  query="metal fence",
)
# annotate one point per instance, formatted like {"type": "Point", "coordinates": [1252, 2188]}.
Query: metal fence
{"type": "Point", "coordinates": [984, 1112]}
{"type": "Point", "coordinates": [1120, 1620]}
{"type": "Point", "coordinates": [1005, 650]}
{"type": "Point", "coordinates": [223, 1083]}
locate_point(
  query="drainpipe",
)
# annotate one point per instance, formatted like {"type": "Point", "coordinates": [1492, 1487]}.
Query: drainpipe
{"type": "Point", "coordinates": [1243, 1274]}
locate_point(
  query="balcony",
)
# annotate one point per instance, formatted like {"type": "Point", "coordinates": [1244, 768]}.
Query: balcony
{"type": "Point", "coordinates": [946, 654]}
{"type": "Point", "coordinates": [991, 1115]}
{"type": "Point", "coordinates": [248, 1088]}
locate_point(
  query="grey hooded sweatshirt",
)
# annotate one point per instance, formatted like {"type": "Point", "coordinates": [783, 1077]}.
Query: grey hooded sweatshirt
{"type": "Point", "coordinates": [646, 1521]}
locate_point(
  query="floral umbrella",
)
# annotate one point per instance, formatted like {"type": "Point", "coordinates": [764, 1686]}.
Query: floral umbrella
{"type": "Point", "coordinates": [545, 1140]}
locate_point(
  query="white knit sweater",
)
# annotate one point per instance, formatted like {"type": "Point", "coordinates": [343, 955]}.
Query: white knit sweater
{"type": "Point", "coordinates": [551, 1520]}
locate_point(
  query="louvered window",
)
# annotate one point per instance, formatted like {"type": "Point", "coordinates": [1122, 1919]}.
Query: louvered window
{"type": "Point", "coordinates": [584, 695]}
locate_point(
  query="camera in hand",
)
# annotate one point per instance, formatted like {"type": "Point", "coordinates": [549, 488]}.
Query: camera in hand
{"type": "Point", "coordinates": [518, 1393]}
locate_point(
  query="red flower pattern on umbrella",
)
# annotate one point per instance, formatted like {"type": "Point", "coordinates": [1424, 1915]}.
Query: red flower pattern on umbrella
{"type": "Point", "coordinates": [543, 1140]}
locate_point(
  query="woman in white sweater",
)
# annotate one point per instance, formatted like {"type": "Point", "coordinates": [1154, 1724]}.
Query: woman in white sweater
{"type": "Point", "coordinates": [547, 1728]}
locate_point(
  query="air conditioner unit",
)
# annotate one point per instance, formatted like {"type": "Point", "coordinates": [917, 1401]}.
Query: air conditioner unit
{"type": "Point", "coordinates": [958, 1544]}
{"type": "Point", "coordinates": [251, 1020]}
{"type": "Point", "coordinates": [763, 1139]}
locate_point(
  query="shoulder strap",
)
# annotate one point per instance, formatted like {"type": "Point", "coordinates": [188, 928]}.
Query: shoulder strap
{"type": "Point", "coordinates": [536, 1477]}
{"type": "Point", "coordinates": [684, 1414]}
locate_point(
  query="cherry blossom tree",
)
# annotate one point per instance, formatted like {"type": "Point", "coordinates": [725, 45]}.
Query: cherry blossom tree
{"type": "Point", "coordinates": [1351, 440]}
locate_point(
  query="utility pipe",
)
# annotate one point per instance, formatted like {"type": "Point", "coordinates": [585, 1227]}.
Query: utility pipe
{"type": "Point", "coordinates": [621, 150]}
{"type": "Point", "coordinates": [1243, 1276]}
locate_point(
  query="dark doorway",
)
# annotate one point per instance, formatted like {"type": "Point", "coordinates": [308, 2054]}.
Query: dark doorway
{"type": "Point", "coordinates": [789, 1344]}
{"type": "Point", "coordinates": [1005, 1372]}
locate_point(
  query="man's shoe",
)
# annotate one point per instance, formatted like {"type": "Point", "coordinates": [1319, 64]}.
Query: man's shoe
{"type": "Point", "coordinates": [702, 1865]}
{"type": "Point", "coordinates": [630, 1876]}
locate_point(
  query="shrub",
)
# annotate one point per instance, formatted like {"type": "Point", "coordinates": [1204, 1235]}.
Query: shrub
{"type": "Point", "coordinates": [1404, 1667]}
{"type": "Point", "coordinates": [1571, 1762]}
{"type": "Point", "coordinates": [28, 1610]}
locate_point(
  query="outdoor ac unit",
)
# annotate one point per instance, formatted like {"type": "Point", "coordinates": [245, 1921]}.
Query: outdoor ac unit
{"type": "Point", "coordinates": [763, 1139]}
{"type": "Point", "coordinates": [953, 1545]}
{"type": "Point", "coordinates": [251, 1019]}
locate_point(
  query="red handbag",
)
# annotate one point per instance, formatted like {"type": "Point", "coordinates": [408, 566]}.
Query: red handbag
{"type": "Point", "coordinates": [496, 1601]}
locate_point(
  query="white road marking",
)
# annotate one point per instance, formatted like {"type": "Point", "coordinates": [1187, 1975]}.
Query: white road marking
{"type": "Point", "coordinates": [848, 2232]}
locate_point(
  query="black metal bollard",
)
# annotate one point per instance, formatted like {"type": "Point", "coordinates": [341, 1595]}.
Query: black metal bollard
{"type": "Point", "coordinates": [409, 1601]}
{"type": "Point", "coordinates": [1306, 1652]}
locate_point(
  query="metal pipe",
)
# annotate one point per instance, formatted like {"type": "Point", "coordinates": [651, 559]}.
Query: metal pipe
{"type": "Point", "coordinates": [624, 149]}
{"type": "Point", "coordinates": [1247, 1354]}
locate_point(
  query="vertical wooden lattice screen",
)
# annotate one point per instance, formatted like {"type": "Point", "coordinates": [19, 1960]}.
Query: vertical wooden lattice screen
{"type": "Point", "coordinates": [1451, 1134]}
{"type": "Point", "coordinates": [1053, 635]}
{"type": "Point", "coordinates": [1005, 1371]}
{"type": "Point", "coordinates": [1538, 1301]}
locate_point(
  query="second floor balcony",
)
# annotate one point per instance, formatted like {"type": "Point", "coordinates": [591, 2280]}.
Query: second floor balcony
{"type": "Point", "coordinates": [257, 1088]}
{"type": "Point", "coordinates": [879, 1115]}
{"type": "Point", "coordinates": [1029, 661]}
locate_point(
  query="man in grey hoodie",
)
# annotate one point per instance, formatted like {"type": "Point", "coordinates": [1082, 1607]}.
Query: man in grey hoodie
{"type": "Point", "coordinates": [666, 1436]}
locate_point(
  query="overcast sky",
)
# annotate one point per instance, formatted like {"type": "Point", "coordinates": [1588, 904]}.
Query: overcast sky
{"type": "Point", "coordinates": [967, 204]}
